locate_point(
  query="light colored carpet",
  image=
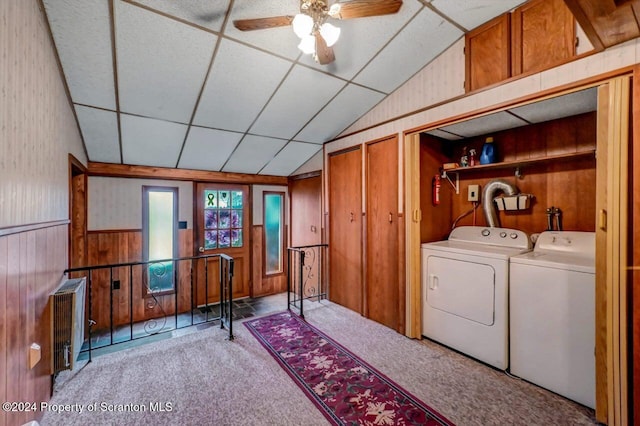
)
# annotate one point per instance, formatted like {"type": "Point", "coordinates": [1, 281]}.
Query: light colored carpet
{"type": "Point", "coordinates": [209, 380]}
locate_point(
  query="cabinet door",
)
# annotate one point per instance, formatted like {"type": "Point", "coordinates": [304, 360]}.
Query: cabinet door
{"type": "Point", "coordinates": [543, 35]}
{"type": "Point", "coordinates": [383, 286]}
{"type": "Point", "coordinates": [487, 54]}
{"type": "Point", "coordinates": [345, 229]}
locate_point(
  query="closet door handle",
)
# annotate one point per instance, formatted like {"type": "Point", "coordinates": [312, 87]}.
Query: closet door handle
{"type": "Point", "coordinates": [351, 218]}
{"type": "Point", "coordinates": [390, 217]}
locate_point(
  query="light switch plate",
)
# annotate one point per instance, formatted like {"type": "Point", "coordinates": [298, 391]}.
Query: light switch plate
{"type": "Point", "coordinates": [473, 192]}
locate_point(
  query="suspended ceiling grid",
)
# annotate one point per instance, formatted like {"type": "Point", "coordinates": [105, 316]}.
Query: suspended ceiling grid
{"type": "Point", "coordinates": [174, 84]}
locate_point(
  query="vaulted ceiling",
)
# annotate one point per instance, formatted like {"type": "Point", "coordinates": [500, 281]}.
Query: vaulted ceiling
{"type": "Point", "coordinates": [174, 84]}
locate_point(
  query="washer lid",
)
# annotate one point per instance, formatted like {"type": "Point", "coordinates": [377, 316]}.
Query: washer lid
{"type": "Point", "coordinates": [556, 260]}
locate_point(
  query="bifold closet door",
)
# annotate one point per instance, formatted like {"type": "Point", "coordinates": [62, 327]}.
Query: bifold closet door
{"type": "Point", "coordinates": [345, 228]}
{"type": "Point", "coordinates": [382, 279]}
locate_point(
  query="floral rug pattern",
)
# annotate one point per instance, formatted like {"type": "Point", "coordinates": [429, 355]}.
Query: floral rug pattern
{"type": "Point", "coordinates": [346, 389]}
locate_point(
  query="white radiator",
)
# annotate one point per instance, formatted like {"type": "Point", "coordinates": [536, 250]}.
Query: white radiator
{"type": "Point", "coordinates": [67, 328]}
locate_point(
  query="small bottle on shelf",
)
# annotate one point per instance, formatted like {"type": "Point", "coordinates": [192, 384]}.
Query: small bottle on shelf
{"type": "Point", "coordinates": [472, 157]}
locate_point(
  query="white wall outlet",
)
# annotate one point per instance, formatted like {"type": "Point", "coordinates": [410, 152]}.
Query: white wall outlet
{"type": "Point", "coordinates": [473, 193]}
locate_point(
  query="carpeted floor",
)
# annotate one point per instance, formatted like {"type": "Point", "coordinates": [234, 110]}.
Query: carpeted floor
{"type": "Point", "coordinates": [201, 378]}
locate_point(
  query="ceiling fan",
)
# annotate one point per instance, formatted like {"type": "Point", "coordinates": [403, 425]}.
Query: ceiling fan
{"type": "Point", "coordinates": [316, 34]}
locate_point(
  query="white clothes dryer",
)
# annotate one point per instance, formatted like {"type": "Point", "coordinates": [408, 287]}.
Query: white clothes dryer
{"type": "Point", "coordinates": [465, 287]}
{"type": "Point", "coordinates": [552, 314]}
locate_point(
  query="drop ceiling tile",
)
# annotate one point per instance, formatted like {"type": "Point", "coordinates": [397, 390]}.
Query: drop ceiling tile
{"type": "Point", "coordinates": [253, 153]}
{"type": "Point", "coordinates": [301, 95]}
{"type": "Point", "coordinates": [292, 156]}
{"type": "Point", "coordinates": [82, 34]}
{"type": "Point", "coordinates": [280, 40]}
{"type": "Point", "coordinates": [205, 13]}
{"type": "Point", "coordinates": [208, 149]}
{"type": "Point", "coordinates": [423, 39]}
{"type": "Point", "coordinates": [471, 14]}
{"type": "Point", "coordinates": [150, 142]}
{"type": "Point", "coordinates": [161, 63]}
{"type": "Point", "coordinates": [342, 111]}
{"type": "Point", "coordinates": [485, 124]}
{"type": "Point", "coordinates": [360, 39]}
{"type": "Point", "coordinates": [100, 133]}
{"type": "Point", "coordinates": [245, 78]}
{"type": "Point", "coordinates": [558, 107]}
{"type": "Point", "coordinates": [443, 135]}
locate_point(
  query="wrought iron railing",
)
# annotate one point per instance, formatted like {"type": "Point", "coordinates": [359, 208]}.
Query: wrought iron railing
{"type": "Point", "coordinates": [141, 308]}
{"type": "Point", "coordinates": [306, 277]}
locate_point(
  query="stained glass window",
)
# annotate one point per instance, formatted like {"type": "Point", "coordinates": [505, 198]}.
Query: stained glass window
{"type": "Point", "coordinates": [223, 219]}
{"type": "Point", "coordinates": [273, 231]}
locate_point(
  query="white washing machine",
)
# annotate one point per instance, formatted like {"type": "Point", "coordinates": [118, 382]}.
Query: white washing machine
{"type": "Point", "coordinates": [552, 314]}
{"type": "Point", "coordinates": [465, 287]}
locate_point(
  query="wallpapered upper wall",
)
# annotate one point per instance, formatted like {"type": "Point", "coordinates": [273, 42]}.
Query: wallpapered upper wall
{"type": "Point", "coordinates": [37, 127]}
{"type": "Point", "coordinates": [116, 203]}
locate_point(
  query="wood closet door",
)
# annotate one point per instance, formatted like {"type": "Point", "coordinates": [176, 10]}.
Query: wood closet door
{"type": "Point", "coordinates": [382, 240]}
{"type": "Point", "coordinates": [345, 229]}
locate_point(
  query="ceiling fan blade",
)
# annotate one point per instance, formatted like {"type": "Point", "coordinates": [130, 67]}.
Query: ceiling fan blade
{"type": "Point", "coordinates": [324, 54]}
{"type": "Point", "coordinates": [262, 23]}
{"type": "Point", "coordinates": [364, 8]}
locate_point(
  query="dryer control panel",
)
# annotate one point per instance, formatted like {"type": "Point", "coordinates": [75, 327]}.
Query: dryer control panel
{"type": "Point", "coordinates": [504, 237]}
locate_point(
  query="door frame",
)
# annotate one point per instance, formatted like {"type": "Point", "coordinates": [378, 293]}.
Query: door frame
{"type": "Point", "coordinates": [78, 211]}
{"type": "Point", "coordinates": [612, 366]}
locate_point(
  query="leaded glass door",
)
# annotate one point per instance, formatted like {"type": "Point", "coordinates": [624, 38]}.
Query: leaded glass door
{"type": "Point", "coordinates": [221, 226]}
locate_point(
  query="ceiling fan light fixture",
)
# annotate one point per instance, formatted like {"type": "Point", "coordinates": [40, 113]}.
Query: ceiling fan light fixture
{"type": "Point", "coordinates": [302, 25]}
{"type": "Point", "coordinates": [334, 10]}
{"type": "Point", "coordinates": [308, 45]}
{"type": "Point", "coordinates": [330, 33]}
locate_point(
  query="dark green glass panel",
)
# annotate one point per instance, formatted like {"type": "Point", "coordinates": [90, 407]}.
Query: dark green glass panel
{"type": "Point", "coordinates": [160, 276]}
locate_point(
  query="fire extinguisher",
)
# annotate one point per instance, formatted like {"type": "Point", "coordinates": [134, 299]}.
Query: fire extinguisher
{"type": "Point", "coordinates": [436, 189]}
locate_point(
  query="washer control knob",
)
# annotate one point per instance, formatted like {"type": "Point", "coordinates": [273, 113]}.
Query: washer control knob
{"type": "Point", "coordinates": [503, 234]}
{"type": "Point", "coordinates": [485, 232]}
{"type": "Point", "coordinates": [513, 235]}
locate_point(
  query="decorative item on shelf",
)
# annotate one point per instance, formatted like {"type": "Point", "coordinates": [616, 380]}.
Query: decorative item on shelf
{"type": "Point", "coordinates": [464, 160]}
{"type": "Point", "coordinates": [472, 157]}
{"type": "Point", "coordinates": [514, 202]}
{"type": "Point", "coordinates": [488, 154]}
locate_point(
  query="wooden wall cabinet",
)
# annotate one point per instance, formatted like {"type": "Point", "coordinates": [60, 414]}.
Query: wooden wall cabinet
{"type": "Point", "coordinates": [537, 35]}
{"type": "Point", "coordinates": [487, 53]}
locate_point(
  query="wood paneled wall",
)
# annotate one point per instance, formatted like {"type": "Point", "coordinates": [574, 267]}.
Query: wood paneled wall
{"type": "Point", "coordinates": [112, 247]}
{"type": "Point", "coordinates": [568, 184]}
{"type": "Point", "coordinates": [31, 265]}
{"type": "Point", "coordinates": [37, 126]}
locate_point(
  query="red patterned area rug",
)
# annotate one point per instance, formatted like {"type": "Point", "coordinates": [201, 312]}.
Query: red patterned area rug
{"type": "Point", "coordinates": [346, 389]}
